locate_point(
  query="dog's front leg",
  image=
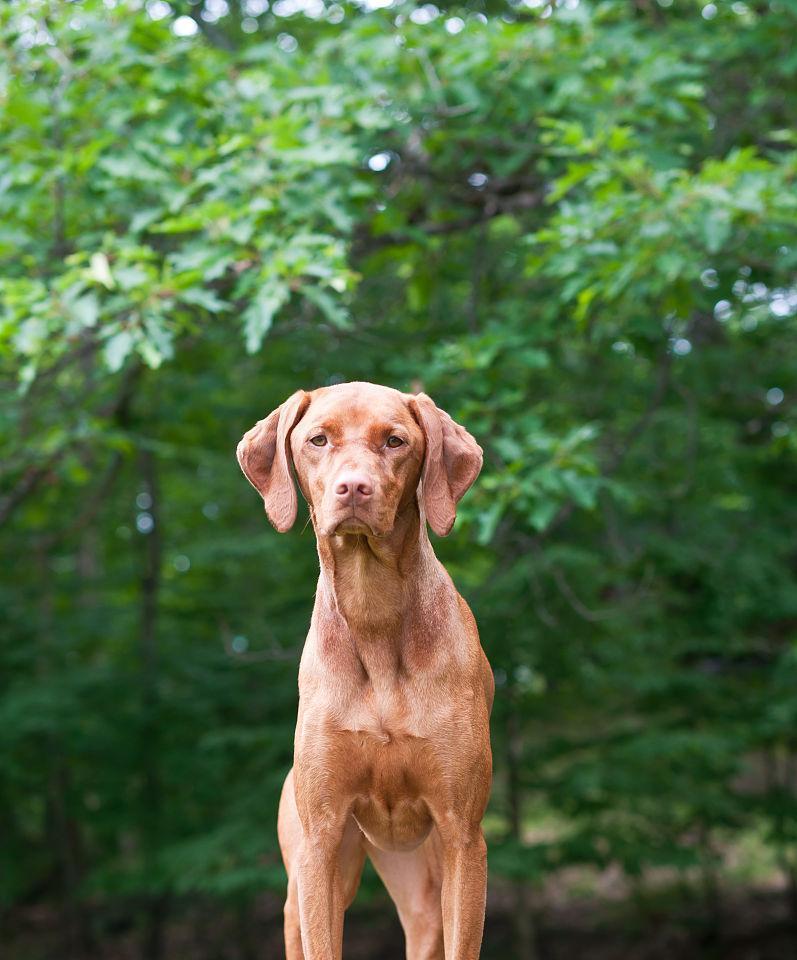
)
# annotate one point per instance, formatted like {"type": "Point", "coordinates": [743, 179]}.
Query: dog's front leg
{"type": "Point", "coordinates": [321, 894]}
{"type": "Point", "coordinates": [464, 891]}
{"type": "Point", "coordinates": [328, 872]}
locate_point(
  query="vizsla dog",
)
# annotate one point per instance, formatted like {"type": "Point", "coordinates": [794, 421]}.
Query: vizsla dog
{"type": "Point", "coordinates": [392, 752]}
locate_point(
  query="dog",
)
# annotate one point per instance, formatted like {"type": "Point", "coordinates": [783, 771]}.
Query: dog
{"type": "Point", "coordinates": [392, 754]}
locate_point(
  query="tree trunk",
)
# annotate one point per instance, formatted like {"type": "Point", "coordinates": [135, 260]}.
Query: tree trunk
{"type": "Point", "coordinates": [152, 799]}
{"type": "Point", "coordinates": [65, 837]}
{"type": "Point", "coordinates": [711, 886]}
{"type": "Point", "coordinates": [526, 945]}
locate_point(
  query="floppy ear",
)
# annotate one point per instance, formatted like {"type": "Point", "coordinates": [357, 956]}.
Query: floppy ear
{"type": "Point", "coordinates": [265, 457]}
{"type": "Point", "coordinates": [452, 462]}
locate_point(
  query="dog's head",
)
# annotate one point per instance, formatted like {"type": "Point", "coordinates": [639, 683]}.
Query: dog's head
{"type": "Point", "coordinates": [361, 453]}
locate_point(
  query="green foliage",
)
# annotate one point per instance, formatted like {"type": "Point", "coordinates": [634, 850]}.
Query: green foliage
{"type": "Point", "coordinates": [575, 228]}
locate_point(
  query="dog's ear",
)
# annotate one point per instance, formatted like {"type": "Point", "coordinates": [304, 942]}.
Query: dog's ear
{"type": "Point", "coordinates": [264, 454]}
{"type": "Point", "coordinates": [452, 462]}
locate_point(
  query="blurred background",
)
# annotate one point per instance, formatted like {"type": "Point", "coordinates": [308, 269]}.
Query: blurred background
{"type": "Point", "coordinates": [574, 224]}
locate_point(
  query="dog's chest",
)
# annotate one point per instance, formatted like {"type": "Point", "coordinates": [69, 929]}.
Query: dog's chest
{"type": "Point", "coordinates": [386, 712]}
{"type": "Point", "coordinates": [389, 798]}
{"type": "Point", "coordinates": [386, 735]}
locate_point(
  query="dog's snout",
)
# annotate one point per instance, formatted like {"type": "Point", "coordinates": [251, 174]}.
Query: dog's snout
{"type": "Point", "coordinates": [353, 486]}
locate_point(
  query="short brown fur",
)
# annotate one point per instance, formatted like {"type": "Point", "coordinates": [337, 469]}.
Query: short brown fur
{"type": "Point", "coordinates": [392, 750]}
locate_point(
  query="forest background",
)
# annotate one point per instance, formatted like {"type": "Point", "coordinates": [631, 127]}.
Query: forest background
{"type": "Point", "coordinates": [574, 224]}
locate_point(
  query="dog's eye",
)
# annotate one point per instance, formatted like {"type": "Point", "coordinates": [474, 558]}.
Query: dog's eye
{"type": "Point", "coordinates": [319, 441]}
{"type": "Point", "coordinates": [394, 441]}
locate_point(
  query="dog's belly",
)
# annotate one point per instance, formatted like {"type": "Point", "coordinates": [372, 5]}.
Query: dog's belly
{"type": "Point", "coordinates": [389, 807]}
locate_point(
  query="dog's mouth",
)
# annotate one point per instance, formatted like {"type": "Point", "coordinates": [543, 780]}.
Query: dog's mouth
{"type": "Point", "coordinates": [353, 525]}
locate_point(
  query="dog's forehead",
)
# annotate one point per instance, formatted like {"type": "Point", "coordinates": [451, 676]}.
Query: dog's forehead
{"type": "Point", "coordinates": [364, 404]}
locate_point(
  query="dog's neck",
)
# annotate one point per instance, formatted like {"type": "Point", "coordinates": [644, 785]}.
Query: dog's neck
{"type": "Point", "coordinates": [378, 584]}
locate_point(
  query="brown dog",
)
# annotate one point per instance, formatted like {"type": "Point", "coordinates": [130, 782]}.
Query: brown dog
{"type": "Point", "coordinates": [392, 751]}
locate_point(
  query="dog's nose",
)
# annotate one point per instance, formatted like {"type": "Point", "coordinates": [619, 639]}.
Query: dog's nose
{"type": "Point", "coordinates": [353, 486]}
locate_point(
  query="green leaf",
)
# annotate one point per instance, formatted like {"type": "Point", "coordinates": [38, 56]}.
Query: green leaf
{"type": "Point", "coordinates": [259, 315]}
{"type": "Point", "coordinates": [100, 270]}
{"type": "Point", "coordinates": [328, 305]}
{"type": "Point", "coordinates": [201, 297]}
{"type": "Point", "coordinates": [85, 310]}
{"type": "Point", "coordinates": [716, 229]}
{"type": "Point", "coordinates": [117, 349]}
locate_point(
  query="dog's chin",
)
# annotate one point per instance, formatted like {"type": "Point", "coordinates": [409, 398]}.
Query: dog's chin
{"type": "Point", "coordinates": [354, 526]}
